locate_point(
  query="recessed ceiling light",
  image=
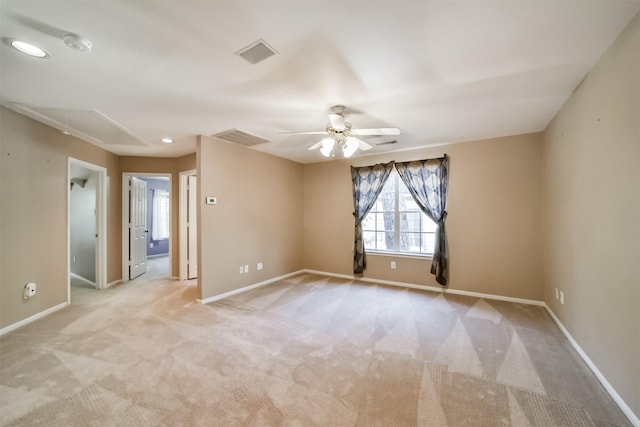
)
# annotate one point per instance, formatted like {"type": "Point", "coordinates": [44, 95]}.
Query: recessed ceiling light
{"type": "Point", "coordinates": [167, 140]}
{"type": "Point", "coordinates": [28, 48]}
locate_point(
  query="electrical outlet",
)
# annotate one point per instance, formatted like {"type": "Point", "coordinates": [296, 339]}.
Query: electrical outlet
{"type": "Point", "coordinates": [259, 267]}
{"type": "Point", "coordinates": [557, 294]}
{"type": "Point", "coordinates": [74, 259]}
{"type": "Point", "coordinates": [561, 297]}
{"type": "Point", "coordinates": [241, 269]}
{"type": "Point", "coordinates": [393, 265]}
{"type": "Point", "coordinates": [151, 245]}
{"type": "Point", "coordinates": [29, 290]}
{"type": "Point", "coordinates": [246, 268]}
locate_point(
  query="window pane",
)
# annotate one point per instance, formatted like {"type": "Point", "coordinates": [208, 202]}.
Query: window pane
{"type": "Point", "coordinates": [369, 222]}
{"type": "Point", "coordinates": [380, 241]}
{"type": "Point", "coordinates": [386, 201]}
{"type": "Point", "coordinates": [387, 221]}
{"type": "Point", "coordinates": [410, 242]}
{"type": "Point", "coordinates": [369, 238]}
{"type": "Point", "coordinates": [428, 225]}
{"type": "Point", "coordinates": [428, 242]}
{"type": "Point", "coordinates": [411, 221]}
{"type": "Point", "coordinates": [407, 203]}
{"type": "Point", "coordinates": [389, 240]}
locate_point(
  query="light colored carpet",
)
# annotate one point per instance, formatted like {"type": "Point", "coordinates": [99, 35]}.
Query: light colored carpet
{"type": "Point", "coordinates": [309, 350]}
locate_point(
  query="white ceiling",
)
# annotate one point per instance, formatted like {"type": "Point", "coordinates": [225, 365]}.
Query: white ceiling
{"type": "Point", "coordinates": [443, 72]}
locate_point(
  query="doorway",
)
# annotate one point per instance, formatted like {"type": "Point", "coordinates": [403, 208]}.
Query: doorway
{"type": "Point", "coordinates": [86, 226]}
{"type": "Point", "coordinates": [188, 225]}
{"type": "Point", "coordinates": [146, 220]}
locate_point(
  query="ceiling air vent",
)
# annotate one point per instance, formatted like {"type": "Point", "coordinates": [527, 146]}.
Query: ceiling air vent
{"type": "Point", "coordinates": [256, 52]}
{"type": "Point", "coordinates": [240, 137]}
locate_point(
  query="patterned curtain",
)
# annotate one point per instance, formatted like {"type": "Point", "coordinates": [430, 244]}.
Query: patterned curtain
{"type": "Point", "coordinates": [367, 186]}
{"type": "Point", "coordinates": [427, 181]}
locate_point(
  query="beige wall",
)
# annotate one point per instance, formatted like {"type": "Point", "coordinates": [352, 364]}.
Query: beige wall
{"type": "Point", "coordinates": [33, 219]}
{"type": "Point", "coordinates": [591, 207]}
{"type": "Point", "coordinates": [258, 217]}
{"type": "Point", "coordinates": [33, 210]}
{"type": "Point", "coordinates": [492, 224]}
{"type": "Point", "coordinates": [164, 165]}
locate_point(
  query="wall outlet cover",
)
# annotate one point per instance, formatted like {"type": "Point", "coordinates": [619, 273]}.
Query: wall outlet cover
{"type": "Point", "coordinates": [29, 290]}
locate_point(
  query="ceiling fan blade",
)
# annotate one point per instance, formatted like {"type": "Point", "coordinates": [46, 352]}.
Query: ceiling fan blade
{"type": "Point", "coordinates": [363, 145]}
{"type": "Point", "coordinates": [316, 145]}
{"type": "Point", "coordinates": [337, 121]}
{"type": "Point", "coordinates": [320, 132]}
{"type": "Point", "coordinates": [376, 131]}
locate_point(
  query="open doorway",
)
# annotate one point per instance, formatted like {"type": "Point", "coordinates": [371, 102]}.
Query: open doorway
{"type": "Point", "coordinates": [146, 223]}
{"type": "Point", "coordinates": [86, 227]}
{"type": "Point", "coordinates": [188, 225]}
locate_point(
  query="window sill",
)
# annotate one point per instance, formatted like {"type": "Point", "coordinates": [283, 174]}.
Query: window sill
{"type": "Point", "coordinates": [398, 254]}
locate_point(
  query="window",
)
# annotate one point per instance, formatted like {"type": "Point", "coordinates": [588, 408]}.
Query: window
{"type": "Point", "coordinates": [160, 215]}
{"type": "Point", "coordinates": [396, 223]}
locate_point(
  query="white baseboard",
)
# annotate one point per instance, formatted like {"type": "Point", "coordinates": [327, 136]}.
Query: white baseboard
{"type": "Point", "coordinates": [82, 279]}
{"type": "Point", "coordinates": [33, 318]}
{"type": "Point", "coordinates": [616, 397]}
{"type": "Point", "coordinates": [159, 255]}
{"type": "Point", "coordinates": [247, 288]}
{"type": "Point", "coordinates": [430, 288]}
{"type": "Point", "coordinates": [115, 282]}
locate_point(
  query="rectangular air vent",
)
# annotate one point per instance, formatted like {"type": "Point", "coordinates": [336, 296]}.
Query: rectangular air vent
{"type": "Point", "coordinates": [240, 137]}
{"type": "Point", "coordinates": [256, 51]}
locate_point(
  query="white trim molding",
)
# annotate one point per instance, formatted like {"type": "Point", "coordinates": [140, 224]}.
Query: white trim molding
{"type": "Point", "coordinates": [248, 288]}
{"type": "Point", "coordinates": [607, 386]}
{"type": "Point", "coordinates": [430, 288]}
{"type": "Point", "coordinates": [115, 282]}
{"type": "Point", "coordinates": [101, 222]}
{"type": "Point", "coordinates": [182, 222]}
{"type": "Point", "coordinates": [33, 318]}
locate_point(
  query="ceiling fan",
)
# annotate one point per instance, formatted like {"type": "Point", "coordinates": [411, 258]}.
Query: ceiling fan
{"type": "Point", "coordinates": [340, 134]}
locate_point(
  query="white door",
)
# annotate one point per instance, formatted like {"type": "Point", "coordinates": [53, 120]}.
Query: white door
{"type": "Point", "coordinates": [137, 227]}
{"type": "Point", "coordinates": [192, 228]}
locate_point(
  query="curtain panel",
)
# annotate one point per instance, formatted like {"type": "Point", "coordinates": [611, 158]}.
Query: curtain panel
{"type": "Point", "coordinates": [367, 186]}
{"type": "Point", "coordinates": [427, 181]}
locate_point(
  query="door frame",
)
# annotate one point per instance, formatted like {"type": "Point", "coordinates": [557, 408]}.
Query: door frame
{"type": "Point", "coordinates": [101, 223]}
{"type": "Point", "coordinates": [125, 218]}
{"type": "Point", "coordinates": [182, 227]}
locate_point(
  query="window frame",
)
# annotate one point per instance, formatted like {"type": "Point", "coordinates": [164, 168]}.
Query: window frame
{"type": "Point", "coordinates": [397, 182]}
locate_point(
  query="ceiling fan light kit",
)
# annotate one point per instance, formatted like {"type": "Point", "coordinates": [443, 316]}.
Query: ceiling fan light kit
{"type": "Point", "coordinates": [340, 134]}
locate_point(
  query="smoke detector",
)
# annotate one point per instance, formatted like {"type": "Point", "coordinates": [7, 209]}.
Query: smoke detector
{"type": "Point", "coordinates": [77, 42]}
